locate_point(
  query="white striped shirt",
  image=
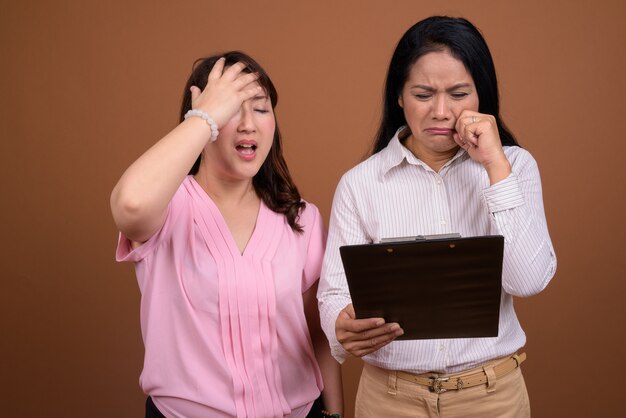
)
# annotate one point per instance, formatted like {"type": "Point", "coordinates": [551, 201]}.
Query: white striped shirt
{"type": "Point", "coordinates": [394, 194]}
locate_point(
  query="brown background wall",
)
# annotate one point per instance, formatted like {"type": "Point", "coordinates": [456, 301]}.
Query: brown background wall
{"type": "Point", "coordinates": [87, 86]}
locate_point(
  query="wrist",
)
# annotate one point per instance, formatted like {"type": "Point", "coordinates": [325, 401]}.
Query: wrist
{"type": "Point", "coordinates": [329, 415]}
{"type": "Point", "coordinates": [208, 119]}
{"type": "Point", "coordinates": [498, 170]}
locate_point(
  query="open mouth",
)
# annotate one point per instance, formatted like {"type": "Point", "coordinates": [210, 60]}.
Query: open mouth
{"type": "Point", "coordinates": [246, 149]}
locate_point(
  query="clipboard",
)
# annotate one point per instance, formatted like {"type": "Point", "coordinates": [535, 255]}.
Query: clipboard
{"type": "Point", "coordinates": [434, 288]}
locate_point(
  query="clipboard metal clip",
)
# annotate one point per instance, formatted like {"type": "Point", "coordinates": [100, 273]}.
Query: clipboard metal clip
{"type": "Point", "coordinates": [420, 238]}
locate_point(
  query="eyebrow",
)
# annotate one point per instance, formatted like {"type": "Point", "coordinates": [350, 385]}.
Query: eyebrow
{"type": "Point", "coordinates": [259, 97]}
{"type": "Point", "coordinates": [429, 88]}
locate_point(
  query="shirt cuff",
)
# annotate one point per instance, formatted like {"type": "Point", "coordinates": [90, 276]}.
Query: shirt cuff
{"type": "Point", "coordinates": [505, 194]}
{"type": "Point", "coordinates": [328, 317]}
{"type": "Point", "coordinates": [338, 353]}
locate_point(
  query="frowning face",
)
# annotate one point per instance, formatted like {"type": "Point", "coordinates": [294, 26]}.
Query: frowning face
{"type": "Point", "coordinates": [438, 88]}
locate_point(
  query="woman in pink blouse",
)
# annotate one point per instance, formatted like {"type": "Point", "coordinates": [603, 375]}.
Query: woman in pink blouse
{"type": "Point", "coordinates": [227, 257]}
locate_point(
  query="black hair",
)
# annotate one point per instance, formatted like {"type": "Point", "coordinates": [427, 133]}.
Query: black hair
{"type": "Point", "coordinates": [465, 43]}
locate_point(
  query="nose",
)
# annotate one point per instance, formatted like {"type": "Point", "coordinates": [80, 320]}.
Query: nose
{"type": "Point", "coordinates": [441, 107]}
{"type": "Point", "coordinates": [246, 119]}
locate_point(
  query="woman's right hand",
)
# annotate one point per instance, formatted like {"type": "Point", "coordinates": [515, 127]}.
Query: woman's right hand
{"type": "Point", "coordinates": [363, 336]}
{"type": "Point", "coordinates": [225, 91]}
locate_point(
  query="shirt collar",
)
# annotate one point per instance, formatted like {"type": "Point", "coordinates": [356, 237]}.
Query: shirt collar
{"type": "Point", "coordinates": [395, 154]}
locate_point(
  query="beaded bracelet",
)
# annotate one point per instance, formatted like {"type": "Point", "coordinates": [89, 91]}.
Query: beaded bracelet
{"type": "Point", "coordinates": [329, 415]}
{"type": "Point", "coordinates": [209, 120]}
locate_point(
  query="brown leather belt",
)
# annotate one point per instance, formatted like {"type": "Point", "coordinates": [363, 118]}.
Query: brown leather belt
{"type": "Point", "coordinates": [439, 384]}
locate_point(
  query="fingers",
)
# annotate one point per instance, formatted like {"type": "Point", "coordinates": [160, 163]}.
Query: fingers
{"type": "Point", "coordinates": [459, 141]}
{"type": "Point", "coordinates": [363, 336]}
{"type": "Point", "coordinates": [348, 322]}
{"type": "Point", "coordinates": [195, 93]}
{"type": "Point", "coordinates": [471, 127]}
{"type": "Point", "coordinates": [227, 88]}
{"type": "Point", "coordinates": [234, 73]}
{"type": "Point", "coordinates": [243, 80]}
{"type": "Point", "coordinates": [251, 92]}
{"type": "Point", "coordinates": [217, 70]}
{"type": "Point", "coordinates": [352, 325]}
{"type": "Point", "coordinates": [467, 127]}
{"type": "Point", "coordinates": [477, 133]}
{"type": "Point", "coordinates": [364, 343]}
{"type": "Point", "coordinates": [374, 344]}
{"type": "Point", "coordinates": [233, 79]}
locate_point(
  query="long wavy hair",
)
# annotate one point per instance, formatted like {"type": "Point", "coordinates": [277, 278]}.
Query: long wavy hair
{"type": "Point", "coordinates": [465, 43]}
{"type": "Point", "coordinates": [272, 183]}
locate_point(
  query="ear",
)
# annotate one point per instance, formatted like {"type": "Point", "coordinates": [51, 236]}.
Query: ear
{"type": "Point", "coordinates": [400, 101]}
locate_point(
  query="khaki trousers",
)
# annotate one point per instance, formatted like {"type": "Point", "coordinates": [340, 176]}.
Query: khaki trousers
{"type": "Point", "coordinates": [381, 394]}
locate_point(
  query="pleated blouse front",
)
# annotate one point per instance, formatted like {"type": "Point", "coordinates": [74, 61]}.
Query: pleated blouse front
{"type": "Point", "coordinates": [225, 332]}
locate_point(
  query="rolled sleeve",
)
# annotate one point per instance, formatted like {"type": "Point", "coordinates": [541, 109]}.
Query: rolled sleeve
{"type": "Point", "coordinates": [506, 194]}
{"type": "Point", "coordinates": [516, 205]}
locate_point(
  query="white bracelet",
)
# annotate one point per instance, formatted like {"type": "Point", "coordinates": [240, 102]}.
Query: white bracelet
{"type": "Point", "coordinates": [209, 120]}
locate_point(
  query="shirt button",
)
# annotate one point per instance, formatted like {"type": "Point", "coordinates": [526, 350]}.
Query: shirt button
{"type": "Point", "coordinates": [442, 347]}
{"type": "Point", "coordinates": [442, 222]}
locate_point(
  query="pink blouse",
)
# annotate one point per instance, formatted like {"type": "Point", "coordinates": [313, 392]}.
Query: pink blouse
{"type": "Point", "coordinates": [225, 333]}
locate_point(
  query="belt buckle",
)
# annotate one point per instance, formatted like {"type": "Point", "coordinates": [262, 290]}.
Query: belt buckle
{"type": "Point", "coordinates": [436, 384]}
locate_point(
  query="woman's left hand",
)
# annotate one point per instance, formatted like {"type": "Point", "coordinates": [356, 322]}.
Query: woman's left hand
{"type": "Point", "coordinates": [477, 134]}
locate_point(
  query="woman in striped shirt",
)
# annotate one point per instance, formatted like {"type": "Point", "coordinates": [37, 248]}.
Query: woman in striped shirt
{"type": "Point", "coordinates": [443, 162]}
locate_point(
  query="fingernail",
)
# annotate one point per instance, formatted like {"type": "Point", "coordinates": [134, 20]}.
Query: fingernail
{"type": "Point", "coordinates": [380, 322]}
{"type": "Point", "coordinates": [394, 327]}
